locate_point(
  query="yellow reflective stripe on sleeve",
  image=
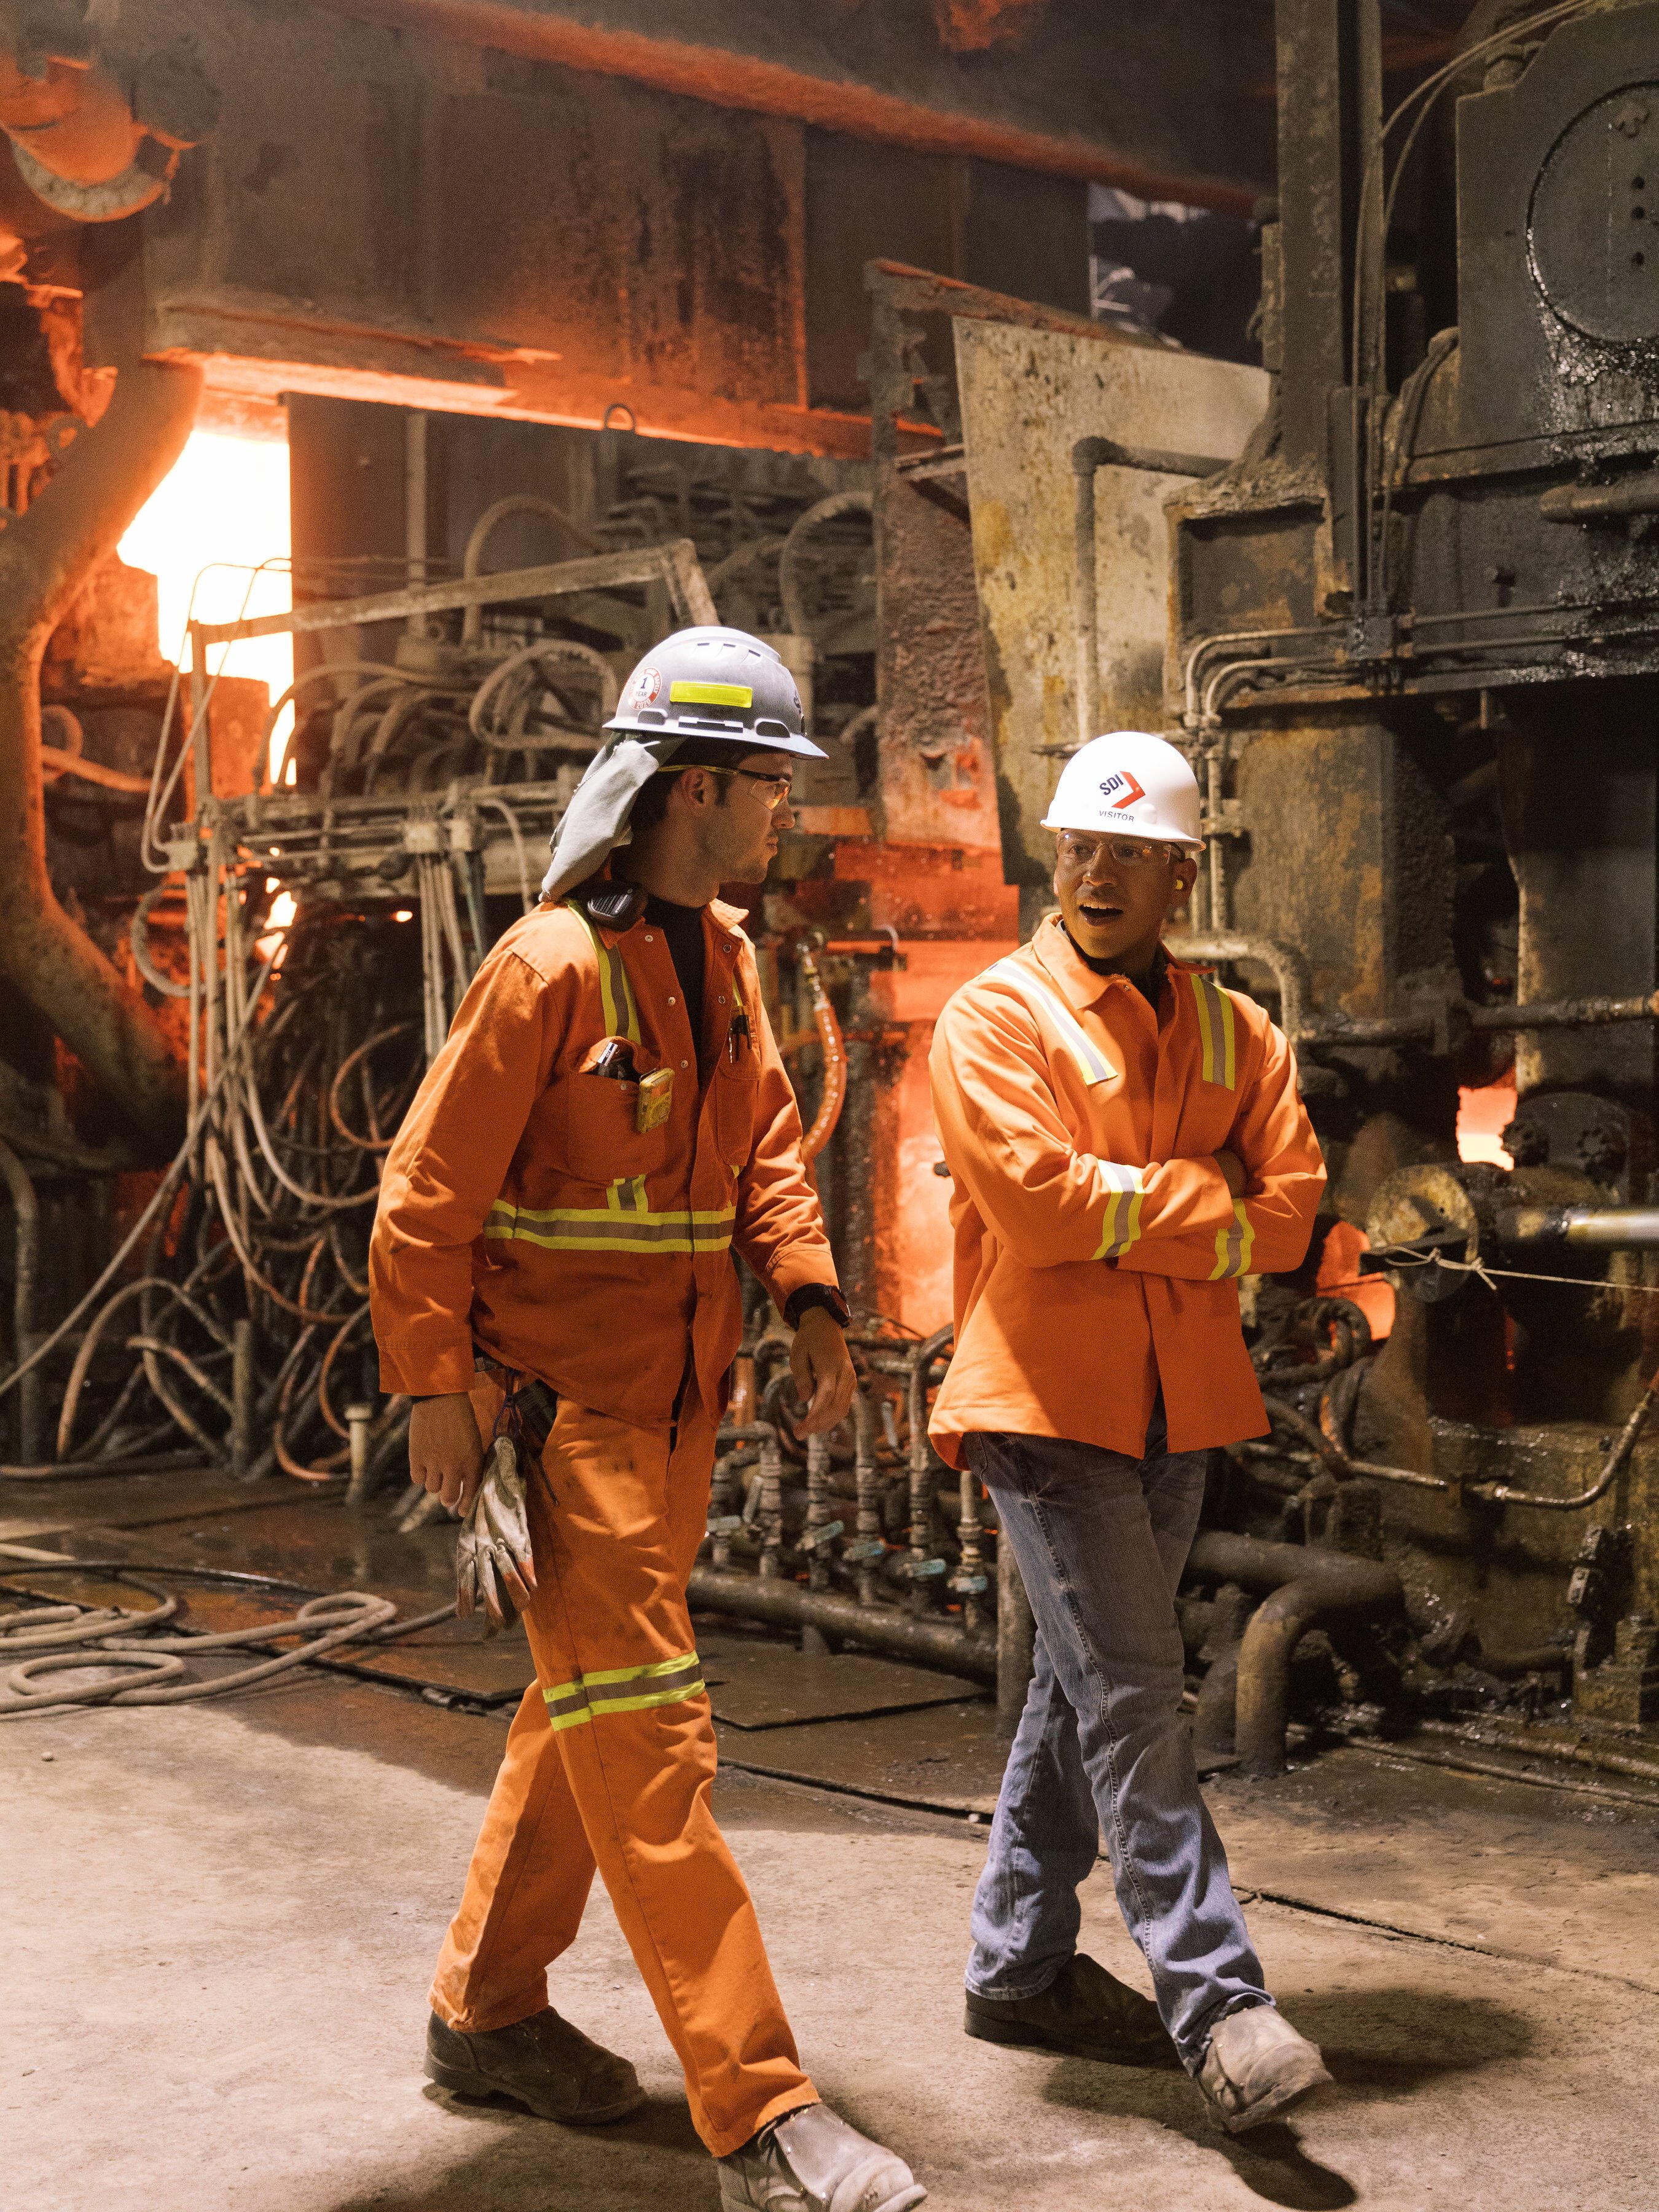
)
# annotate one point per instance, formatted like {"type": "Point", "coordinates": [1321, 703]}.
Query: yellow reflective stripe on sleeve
{"type": "Point", "coordinates": [623, 1690]}
{"type": "Point", "coordinates": [1121, 1225]}
{"type": "Point", "coordinates": [1090, 1060]}
{"type": "Point", "coordinates": [1232, 1246]}
{"type": "Point", "coordinates": [1215, 1029]}
{"type": "Point", "coordinates": [610, 1229]}
{"type": "Point", "coordinates": [622, 1017]}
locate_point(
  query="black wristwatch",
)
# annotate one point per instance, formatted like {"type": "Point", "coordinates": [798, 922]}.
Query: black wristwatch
{"type": "Point", "coordinates": [817, 1294]}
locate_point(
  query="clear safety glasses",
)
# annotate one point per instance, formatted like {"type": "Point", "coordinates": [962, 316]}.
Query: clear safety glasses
{"type": "Point", "coordinates": [770, 790]}
{"type": "Point", "coordinates": [1082, 853]}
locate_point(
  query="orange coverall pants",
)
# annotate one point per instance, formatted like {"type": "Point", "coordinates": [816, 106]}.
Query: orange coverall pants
{"type": "Point", "coordinates": [610, 1765]}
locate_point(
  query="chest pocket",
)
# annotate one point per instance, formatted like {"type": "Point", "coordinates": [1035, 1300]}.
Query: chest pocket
{"type": "Point", "coordinates": [599, 1128]}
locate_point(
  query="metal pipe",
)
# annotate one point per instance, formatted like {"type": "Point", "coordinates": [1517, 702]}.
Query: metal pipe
{"type": "Point", "coordinates": [674, 565]}
{"type": "Point", "coordinates": [971, 1580]}
{"type": "Point", "coordinates": [359, 1420]}
{"type": "Point", "coordinates": [46, 556]}
{"type": "Point", "coordinates": [771, 1491]}
{"type": "Point", "coordinates": [819, 1527]}
{"type": "Point", "coordinates": [1086, 593]}
{"type": "Point", "coordinates": [1504, 1493]}
{"type": "Point", "coordinates": [725, 1509]}
{"type": "Point", "coordinates": [869, 1547]}
{"type": "Point", "coordinates": [1637, 495]}
{"type": "Point", "coordinates": [1530, 1744]}
{"type": "Point", "coordinates": [1565, 1013]}
{"type": "Point", "coordinates": [1214, 756]}
{"type": "Point", "coordinates": [1339, 1030]}
{"type": "Point", "coordinates": [26, 1216]}
{"type": "Point", "coordinates": [1305, 1585]}
{"type": "Point", "coordinates": [1610, 1229]}
{"type": "Point", "coordinates": [931, 1643]}
{"type": "Point", "coordinates": [523, 502]}
{"type": "Point", "coordinates": [1328, 1449]}
{"type": "Point", "coordinates": [1290, 970]}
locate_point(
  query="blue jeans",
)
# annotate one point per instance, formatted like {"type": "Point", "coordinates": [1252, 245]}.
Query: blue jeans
{"type": "Point", "coordinates": [1100, 1540]}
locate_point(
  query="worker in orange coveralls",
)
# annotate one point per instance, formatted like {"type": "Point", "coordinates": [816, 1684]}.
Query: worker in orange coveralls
{"type": "Point", "coordinates": [1126, 1140]}
{"type": "Point", "coordinates": [609, 1119]}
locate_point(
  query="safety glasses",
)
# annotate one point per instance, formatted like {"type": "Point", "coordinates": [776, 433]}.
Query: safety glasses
{"type": "Point", "coordinates": [1082, 853]}
{"type": "Point", "coordinates": [770, 790]}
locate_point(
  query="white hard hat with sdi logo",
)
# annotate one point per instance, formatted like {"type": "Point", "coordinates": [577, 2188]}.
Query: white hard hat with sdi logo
{"type": "Point", "coordinates": [1129, 784]}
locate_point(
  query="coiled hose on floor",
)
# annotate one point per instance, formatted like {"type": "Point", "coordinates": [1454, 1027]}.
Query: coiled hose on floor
{"type": "Point", "coordinates": [57, 1638]}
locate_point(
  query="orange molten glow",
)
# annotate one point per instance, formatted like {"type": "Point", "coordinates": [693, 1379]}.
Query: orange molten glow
{"type": "Point", "coordinates": [215, 534]}
{"type": "Point", "coordinates": [1482, 1117]}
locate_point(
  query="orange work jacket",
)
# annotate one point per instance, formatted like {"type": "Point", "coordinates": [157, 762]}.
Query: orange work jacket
{"type": "Point", "coordinates": [521, 1209]}
{"type": "Point", "coordinates": [1097, 1245]}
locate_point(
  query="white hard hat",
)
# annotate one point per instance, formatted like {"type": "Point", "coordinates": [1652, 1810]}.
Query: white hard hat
{"type": "Point", "coordinates": [1131, 782]}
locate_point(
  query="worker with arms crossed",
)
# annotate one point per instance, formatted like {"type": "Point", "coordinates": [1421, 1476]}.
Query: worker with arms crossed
{"type": "Point", "coordinates": [608, 1118]}
{"type": "Point", "coordinates": [1125, 1139]}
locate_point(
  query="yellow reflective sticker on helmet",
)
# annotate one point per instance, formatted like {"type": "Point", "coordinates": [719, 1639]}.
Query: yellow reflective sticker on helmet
{"type": "Point", "coordinates": [712, 694]}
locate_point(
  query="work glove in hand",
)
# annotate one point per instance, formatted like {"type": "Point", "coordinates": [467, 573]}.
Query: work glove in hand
{"type": "Point", "coordinates": [494, 1565]}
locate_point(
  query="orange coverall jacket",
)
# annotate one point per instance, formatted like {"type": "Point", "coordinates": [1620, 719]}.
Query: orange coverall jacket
{"type": "Point", "coordinates": [1097, 1245]}
{"type": "Point", "coordinates": [521, 1209]}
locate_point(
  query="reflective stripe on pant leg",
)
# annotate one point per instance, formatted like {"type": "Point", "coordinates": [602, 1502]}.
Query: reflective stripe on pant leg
{"type": "Point", "coordinates": [623, 1690]}
{"type": "Point", "coordinates": [609, 1615]}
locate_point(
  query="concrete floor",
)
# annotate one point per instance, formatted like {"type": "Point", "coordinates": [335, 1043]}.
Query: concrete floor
{"type": "Point", "coordinates": [224, 1918]}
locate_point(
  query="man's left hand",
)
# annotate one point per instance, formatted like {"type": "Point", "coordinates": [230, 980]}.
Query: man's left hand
{"type": "Point", "coordinates": [822, 1368]}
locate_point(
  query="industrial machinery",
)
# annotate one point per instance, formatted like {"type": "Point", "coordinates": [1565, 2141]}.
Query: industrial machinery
{"type": "Point", "coordinates": [1395, 592]}
{"type": "Point", "coordinates": [1414, 644]}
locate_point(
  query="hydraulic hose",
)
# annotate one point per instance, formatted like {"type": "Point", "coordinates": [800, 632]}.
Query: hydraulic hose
{"type": "Point", "coordinates": [834, 1095]}
{"type": "Point", "coordinates": [57, 1638]}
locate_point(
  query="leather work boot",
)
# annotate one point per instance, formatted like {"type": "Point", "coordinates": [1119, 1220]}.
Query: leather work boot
{"type": "Point", "coordinates": [811, 2162]}
{"type": "Point", "coordinates": [542, 2063]}
{"type": "Point", "coordinates": [1085, 2012]}
{"type": "Point", "coordinates": [1256, 2067]}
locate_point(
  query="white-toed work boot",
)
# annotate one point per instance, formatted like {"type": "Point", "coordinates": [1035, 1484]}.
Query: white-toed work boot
{"type": "Point", "coordinates": [811, 2162]}
{"type": "Point", "coordinates": [1256, 2067]}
